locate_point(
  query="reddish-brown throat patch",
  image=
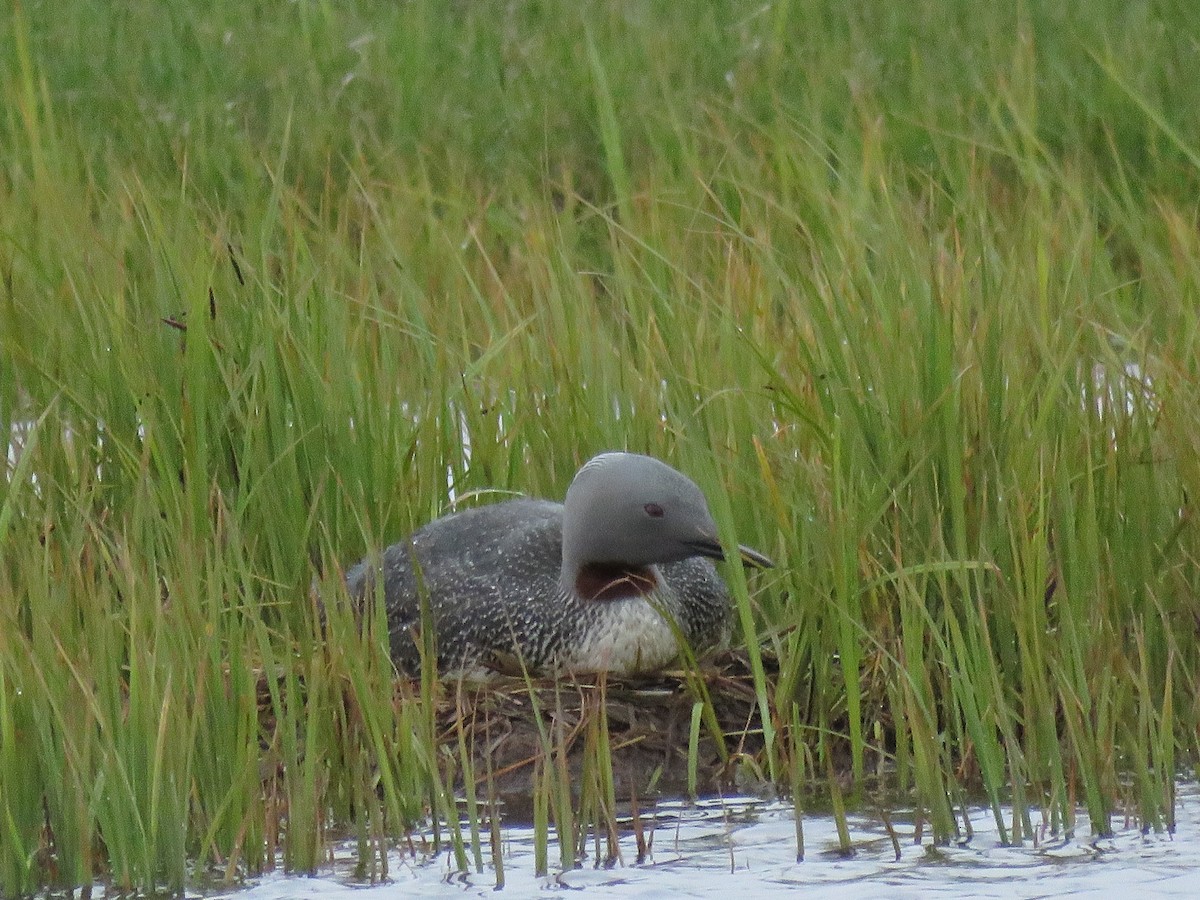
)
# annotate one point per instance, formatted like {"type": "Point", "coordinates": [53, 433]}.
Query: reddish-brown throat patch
{"type": "Point", "coordinates": [612, 581]}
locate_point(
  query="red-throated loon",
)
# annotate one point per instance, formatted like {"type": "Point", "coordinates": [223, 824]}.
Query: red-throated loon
{"type": "Point", "coordinates": [607, 581]}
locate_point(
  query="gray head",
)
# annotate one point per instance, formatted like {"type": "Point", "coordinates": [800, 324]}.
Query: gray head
{"type": "Point", "coordinates": [633, 510]}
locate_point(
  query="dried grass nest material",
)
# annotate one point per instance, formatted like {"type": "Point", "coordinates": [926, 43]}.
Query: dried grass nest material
{"type": "Point", "coordinates": [513, 726]}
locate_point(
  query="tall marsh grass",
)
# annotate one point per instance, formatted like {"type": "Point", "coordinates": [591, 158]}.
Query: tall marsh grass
{"type": "Point", "coordinates": [913, 290]}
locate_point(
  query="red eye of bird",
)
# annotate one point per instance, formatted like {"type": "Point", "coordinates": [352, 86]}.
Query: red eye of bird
{"type": "Point", "coordinates": [654, 511]}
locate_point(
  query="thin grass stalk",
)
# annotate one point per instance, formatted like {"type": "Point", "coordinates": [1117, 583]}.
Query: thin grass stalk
{"type": "Point", "coordinates": [541, 816]}
{"type": "Point", "coordinates": [796, 770]}
{"type": "Point", "coordinates": [494, 831]}
{"type": "Point", "coordinates": [694, 749]}
{"type": "Point", "coordinates": [564, 815]}
{"type": "Point", "coordinates": [607, 780]}
{"type": "Point", "coordinates": [467, 768]}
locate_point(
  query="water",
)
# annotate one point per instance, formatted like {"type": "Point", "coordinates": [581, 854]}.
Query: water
{"type": "Point", "coordinates": [742, 847]}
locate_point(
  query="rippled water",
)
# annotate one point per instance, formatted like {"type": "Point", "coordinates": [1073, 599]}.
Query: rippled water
{"type": "Point", "coordinates": [741, 846]}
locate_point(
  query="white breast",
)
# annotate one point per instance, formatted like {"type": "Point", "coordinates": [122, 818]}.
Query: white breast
{"type": "Point", "coordinates": [634, 638]}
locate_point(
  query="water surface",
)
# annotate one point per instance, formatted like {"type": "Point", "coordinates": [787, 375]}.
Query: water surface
{"type": "Point", "coordinates": [741, 846]}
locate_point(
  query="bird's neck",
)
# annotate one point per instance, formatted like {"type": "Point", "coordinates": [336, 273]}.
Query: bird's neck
{"type": "Point", "coordinates": [612, 581]}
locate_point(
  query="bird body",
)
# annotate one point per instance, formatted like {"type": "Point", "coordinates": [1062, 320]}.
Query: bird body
{"type": "Point", "coordinates": [505, 593]}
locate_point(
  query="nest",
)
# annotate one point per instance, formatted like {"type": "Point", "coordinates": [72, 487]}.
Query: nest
{"type": "Point", "coordinates": [514, 728]}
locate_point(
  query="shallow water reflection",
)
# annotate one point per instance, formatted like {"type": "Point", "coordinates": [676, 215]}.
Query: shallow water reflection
{"type": "Point", "coordinates": [738, 846]}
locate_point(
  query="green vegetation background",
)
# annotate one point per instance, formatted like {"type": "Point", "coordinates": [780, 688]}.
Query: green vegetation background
{"type": "Point", "coordinates": [912, 289]}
